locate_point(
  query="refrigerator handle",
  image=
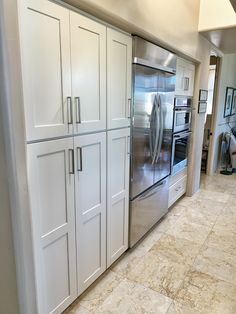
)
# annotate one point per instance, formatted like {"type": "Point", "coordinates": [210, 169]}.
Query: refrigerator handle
{"type": "Point", "coordinates": [157, 130]}
{"type": "Point", "coordinates": [152, 191]}
{"type": "Point", "coordinates": [151, 131]}
{"type": "Point", "coordinates": [161, 129]}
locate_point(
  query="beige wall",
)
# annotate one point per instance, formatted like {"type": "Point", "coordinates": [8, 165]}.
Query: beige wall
{"type": "Point", "coordinates": [173, 23]}
{"type": "Point", "coordinates": [227, 78]}
{"type": "Point", "coordinates": [216, 14]}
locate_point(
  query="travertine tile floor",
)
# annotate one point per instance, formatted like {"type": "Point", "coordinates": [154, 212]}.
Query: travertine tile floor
{"type": "Point", "coordinates": [186, 265]}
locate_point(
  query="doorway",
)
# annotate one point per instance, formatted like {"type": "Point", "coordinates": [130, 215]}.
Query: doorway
{"type": "Point", "coordinates": [210, 117]}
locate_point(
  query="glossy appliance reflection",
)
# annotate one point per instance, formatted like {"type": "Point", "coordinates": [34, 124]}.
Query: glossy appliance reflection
{"type": "Point", "coordinates": [152, 122]}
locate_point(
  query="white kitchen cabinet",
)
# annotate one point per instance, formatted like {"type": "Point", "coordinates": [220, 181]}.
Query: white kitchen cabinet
{"type": "Point", "coordinates": [45, 53]}
{"type": "Point", "coordinates": [185, 72]}
{"type": "Point", "coordinates": [178, 183]}
{"type": "Point", "coordinates": [118, 149]}
{"type": "Point", "coordinates": [51, 185]}
{"type": "Point", "coordinates": [90, 198]}
{"type": "Point", "coordinates": [88, 61]}
{"type": "Point", "coordinates": [119, 62]}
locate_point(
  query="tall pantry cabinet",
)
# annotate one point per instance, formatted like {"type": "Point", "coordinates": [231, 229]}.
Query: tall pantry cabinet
{"type": "Point", "coordinates": [76, 76]}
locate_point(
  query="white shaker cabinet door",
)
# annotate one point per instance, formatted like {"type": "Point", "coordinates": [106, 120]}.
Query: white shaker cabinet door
{"type": "Point", "coordinates": [51, 185]}
{"type": "Point", "coordinates": [117, 193]}
{"type": "Point", "coordinates": [189, 78]}
{"type": "Point", "coordinates": [90, 198]}
{"type": "Point", "coordinates": [45, 52]}
{"type": "Point", "coordinates": [88, 53]}
{"type": "Point", "coordinates": [119, 64]}
{"type": "Point", "coordinates": [185, 72]}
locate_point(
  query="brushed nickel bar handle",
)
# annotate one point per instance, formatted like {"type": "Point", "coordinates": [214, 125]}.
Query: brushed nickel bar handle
{"type": "Point", "coordinates": [79, 159]}
{"type": "Point", "coordinates": [78, 112]}
{"type": "Point", "coordinates": [128, 145]}
{"type": "Point", "coordinates": [129, 108]}
{"type": "Point", "coordinates": [69, 110]}
{"type": "Point", "coordinates": [186, 83]}
{"type": "Point", "coordinates": [71, 162]}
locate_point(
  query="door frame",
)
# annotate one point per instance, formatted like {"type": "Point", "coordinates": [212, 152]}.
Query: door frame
{"type": "Point", "coordinates": [210, 160]}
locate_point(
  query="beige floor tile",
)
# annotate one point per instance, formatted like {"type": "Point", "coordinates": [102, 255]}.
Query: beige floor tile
{"type": "Point", "coordinates": [167, 222]}
{"type": "Point", "coordinates": [226, 222]}
{"type": "Point", "coordinates": [132, 257]}
{"type": "Point", "coordinates": [217, 264]}
{"type": "Point", "coordinates": [229, 209]}
{"type": "Point", "coordinates": [212, 195]}
{"type": "Point", "coordinates": [186, 201]}
{"type": "Point", "coordinates": [206, 294]}
{"type": "Point", "coordinates": [209, 186]}
{"type": "Point", "coordinates": [193, 232]}
{"type": "Point", "coordinates": [99, 292]}
{"type": "Point", "coordinates": [176, 249]}
{"type": "Point", "coordinates": [176, 210]}
{"type": "Point", "coordinates": [208, 207]}
{"type": "Point", "coordinates": [133, 298]}
{"type": "Point", "coordinates": [199, 216]}
{"type": "Point", "coordinates": [231, 201]}
{"type": "Point", "coordinates": [177, 308]}
{"type": "Point", "coordinates": [159, 274]}
{"type": "Point", "coordinates": [223, 240]}
{"type": "Point", "coordinates": [77, 309]}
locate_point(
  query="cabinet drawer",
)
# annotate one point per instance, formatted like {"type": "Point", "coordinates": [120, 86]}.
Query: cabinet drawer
{"type": "Point", "coordinates": [177, 190]}
{"type": "Point", "coordinates": [179, 175]}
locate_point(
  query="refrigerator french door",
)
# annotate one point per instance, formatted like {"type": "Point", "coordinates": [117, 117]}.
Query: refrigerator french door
{"type": "Point", "coordinates": [151, 128]}
{"type": "Point", "coordinates": [151, 142]}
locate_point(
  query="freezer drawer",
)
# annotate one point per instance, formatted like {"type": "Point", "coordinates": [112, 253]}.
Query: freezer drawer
{"type": "Point", "coordinates": [147, 209]}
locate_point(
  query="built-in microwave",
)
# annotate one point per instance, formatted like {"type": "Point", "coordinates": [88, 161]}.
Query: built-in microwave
{"type": "Point", "coordinates": [182, 114]}
{"type": "Point", "coordinates": [180, 149]}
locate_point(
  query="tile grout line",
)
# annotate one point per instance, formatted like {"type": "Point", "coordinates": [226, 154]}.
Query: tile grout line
{"type": "Point", "coordinates": [191, 266]}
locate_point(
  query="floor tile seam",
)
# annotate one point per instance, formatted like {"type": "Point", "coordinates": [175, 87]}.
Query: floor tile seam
{"type": "Point", "coordinates": [188, 267]}
{"type": "Point", "coordinates": [88, 309]}
{"type": "Point", "coordinates": [210, 199]}
{"type": "Point", "coordinates": [172, 303]}
{"type": "Point", "coordinates": [149, 288]}
{"type": "Point", "coordinates": [214, 277]}
{"type": "Point", "coordinates": [203, 244]}
{"type": "Point", "coordinates": [108, 295]}
{"type": "Point", "coordinates": [189, 306]}
{"type": "Point", "coordinates": [191, 266]}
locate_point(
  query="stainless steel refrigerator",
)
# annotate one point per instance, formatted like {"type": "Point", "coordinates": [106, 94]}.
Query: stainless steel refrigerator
{"type": "Point", "coordinates": [151, 135]}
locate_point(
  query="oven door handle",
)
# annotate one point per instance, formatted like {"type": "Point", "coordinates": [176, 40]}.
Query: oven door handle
{"type": "Point", "coordinates": [183, 109]}
{"type": "Point", "coordinates": [182, 135]}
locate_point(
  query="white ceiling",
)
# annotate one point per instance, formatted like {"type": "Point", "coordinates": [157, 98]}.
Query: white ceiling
{"type": "Point", "coordinates": [224, 39]}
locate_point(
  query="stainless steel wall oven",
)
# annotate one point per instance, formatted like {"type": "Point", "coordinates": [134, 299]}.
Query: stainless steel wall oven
{"type": "Point", "coordinates": [180, 150]}
{"type": "Point", "coordinates": [182, 114]}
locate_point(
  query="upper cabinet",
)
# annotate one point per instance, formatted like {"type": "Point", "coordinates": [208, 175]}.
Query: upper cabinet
{"type": "Point", "coordinates": [119, 61]}
{"type": "Point", "coordinates": [88, 65]}
{"type": "Point", "coordinates": [76, 72]}
{"type": "Point", "coordinates": [185, 72]}
{"type": "Point", "coordinates": [45, 53]}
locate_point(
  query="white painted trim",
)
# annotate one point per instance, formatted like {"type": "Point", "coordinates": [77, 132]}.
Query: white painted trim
{"type": "Point", "coordinates": [92, 17]}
